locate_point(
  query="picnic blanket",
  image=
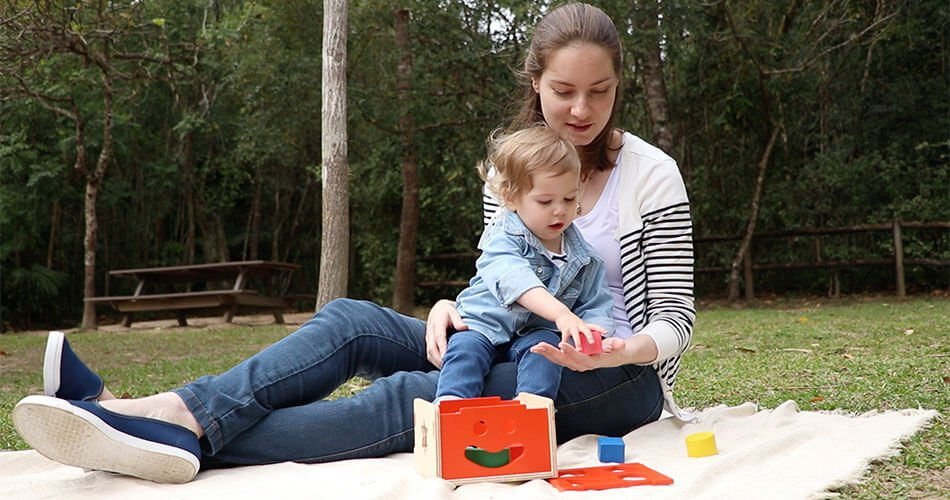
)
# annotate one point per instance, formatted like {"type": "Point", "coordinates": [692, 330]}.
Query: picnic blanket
{"type": "Point", "coordinates": [763, 453]}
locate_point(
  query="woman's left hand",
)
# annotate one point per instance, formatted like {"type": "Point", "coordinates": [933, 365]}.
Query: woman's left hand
{"type": "Point", "coordinates": [615, 354]}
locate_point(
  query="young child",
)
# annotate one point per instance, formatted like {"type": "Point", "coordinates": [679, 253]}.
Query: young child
{"type": "Point", "coordinates": [536, 280]}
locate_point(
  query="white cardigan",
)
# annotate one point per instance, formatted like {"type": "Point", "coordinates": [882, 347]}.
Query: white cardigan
{"type": "Point", "coordinates": [656, 255]}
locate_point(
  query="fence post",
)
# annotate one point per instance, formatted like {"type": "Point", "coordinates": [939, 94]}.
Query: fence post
{"type": "Point", "coordinates": [899, 258]}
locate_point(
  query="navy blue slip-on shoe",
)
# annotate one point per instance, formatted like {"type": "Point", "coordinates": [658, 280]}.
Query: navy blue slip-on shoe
{"type": "Point", "coordinates": [84, 434]}
{"type": "Point", "coordinates": [65, 376]}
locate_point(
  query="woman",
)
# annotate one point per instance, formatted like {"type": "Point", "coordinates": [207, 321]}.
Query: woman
{"type": "Point", "coordinates": [271, 407]}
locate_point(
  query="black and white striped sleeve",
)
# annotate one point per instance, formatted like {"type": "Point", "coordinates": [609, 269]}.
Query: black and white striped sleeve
{"type": "Point", "coordinates": [490, 206]}
{"type": "Point", "coordinates": [657, 265]}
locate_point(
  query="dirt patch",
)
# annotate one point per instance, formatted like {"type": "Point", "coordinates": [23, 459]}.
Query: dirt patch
{"type": "Point", "coordinates": [291, 321]}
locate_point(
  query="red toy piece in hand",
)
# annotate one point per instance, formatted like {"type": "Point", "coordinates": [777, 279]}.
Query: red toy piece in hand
{"type": "Point", "coordinates": [595, 347]}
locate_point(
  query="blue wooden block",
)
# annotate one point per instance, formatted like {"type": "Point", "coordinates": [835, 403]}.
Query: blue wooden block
{"type": "Point", "coordinates": [610, 449]}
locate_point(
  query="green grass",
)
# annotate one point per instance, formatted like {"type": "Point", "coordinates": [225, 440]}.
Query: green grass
{"type": "Point", "coordinates": [853, 355]}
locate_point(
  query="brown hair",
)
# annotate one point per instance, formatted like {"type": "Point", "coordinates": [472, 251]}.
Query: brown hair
{"type": "Point", "coordinates": [571, 23]}
{"type": "Point", "coordinates": [519, 155]}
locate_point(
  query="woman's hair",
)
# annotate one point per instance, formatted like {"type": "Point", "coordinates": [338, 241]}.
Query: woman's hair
{"type": "Point", "coordinates": [515, 157]}
{"type": "Point", "coordinates": [567, 24]}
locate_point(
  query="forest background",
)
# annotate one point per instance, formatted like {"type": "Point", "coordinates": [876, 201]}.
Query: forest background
{"type": "Point", "coordinates": [195, 127]}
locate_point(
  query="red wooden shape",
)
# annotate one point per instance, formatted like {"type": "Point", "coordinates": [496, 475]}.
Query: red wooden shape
{"type": "Point", "coordinates": [607, 477]}
{"type": "Point", "coordinates": [595, 347]}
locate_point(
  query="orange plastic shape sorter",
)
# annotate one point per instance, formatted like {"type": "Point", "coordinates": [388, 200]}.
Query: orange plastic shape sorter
{"type": "Point", "coordinates": [485, 439]}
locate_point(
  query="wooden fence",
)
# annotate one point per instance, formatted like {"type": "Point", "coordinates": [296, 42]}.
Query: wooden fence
{"type": "Point", "coordinates": [896, 259]}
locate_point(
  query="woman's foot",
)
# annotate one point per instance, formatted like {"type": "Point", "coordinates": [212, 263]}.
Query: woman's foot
{"type": "Point", "coordinates": [84, 434]}
{"type": "Point", "coordinates": [165, 406]}
{"type": "Point", "coordinates": [65, 376]}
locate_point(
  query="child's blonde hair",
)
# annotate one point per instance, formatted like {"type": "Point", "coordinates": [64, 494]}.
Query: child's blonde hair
{"type": "Point", "coordinates": [515, 157]}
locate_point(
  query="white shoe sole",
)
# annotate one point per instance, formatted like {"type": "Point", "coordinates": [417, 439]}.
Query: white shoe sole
{"type": "Point", "coordinates": [73, 436]}
{"type": "Point", "coordinates": [51, 363]}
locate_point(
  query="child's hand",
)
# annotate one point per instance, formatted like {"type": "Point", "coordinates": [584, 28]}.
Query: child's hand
{"type": "Point", "coordinates": [572, 327]}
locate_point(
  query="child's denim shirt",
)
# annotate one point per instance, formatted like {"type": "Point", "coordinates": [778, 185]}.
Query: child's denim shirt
{"type": "Point", "coordinates": [514, 261]}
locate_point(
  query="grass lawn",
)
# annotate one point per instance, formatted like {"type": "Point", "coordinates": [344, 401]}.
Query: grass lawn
{"type": "Point", "coordinates": [855, 355]}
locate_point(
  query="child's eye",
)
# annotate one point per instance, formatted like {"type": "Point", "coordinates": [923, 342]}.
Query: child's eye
{"type": "Point", "coordinates": [544, 202]}
{"type": "Point", "coordinates": [572, 198]}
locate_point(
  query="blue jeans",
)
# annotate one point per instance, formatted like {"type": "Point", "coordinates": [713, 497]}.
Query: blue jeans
{"type": "Point", "coordinates": [271, 407]}
{"type": "Point", "coordinates": [470, 355]}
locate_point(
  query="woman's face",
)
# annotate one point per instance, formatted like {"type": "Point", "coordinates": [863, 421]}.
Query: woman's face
{"type": "Point", "coordinates": [577, 90]}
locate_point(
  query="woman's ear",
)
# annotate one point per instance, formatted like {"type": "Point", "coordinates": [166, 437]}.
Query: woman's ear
{"type": "Point", "coordinates": [535, 85]}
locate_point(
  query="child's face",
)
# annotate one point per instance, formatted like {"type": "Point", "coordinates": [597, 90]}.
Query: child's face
{"type": "Point", "coordinates": [549, 207]}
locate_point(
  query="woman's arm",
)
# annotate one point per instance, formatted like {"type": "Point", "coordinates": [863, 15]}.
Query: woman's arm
{"type": "Point", "coordinates": [442, 316]}
{"type": "Point", "coordinates": [638, 349]}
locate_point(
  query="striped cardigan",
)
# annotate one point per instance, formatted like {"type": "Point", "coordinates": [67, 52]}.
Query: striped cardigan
{"type": "Point", "coordinates": [656, 255]}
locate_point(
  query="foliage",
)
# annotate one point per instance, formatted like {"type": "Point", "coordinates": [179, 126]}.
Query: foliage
{"type": "Point", "coordinates": [217, 156]}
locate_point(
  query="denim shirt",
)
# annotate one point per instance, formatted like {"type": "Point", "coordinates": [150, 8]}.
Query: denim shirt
{"type": "Point", "coordinates": [513, 261]}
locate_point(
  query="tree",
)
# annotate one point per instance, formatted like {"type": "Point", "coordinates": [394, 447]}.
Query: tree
{"type": "Point", "coordinates": [828, 28]}
{"type": "Point", "coordinates": [404, 289]}
{"type": "Point", "coordinates": [335, 240]}
{"type": "Point", "coordinates": [651, 65]}
{"type": "Point", "coordinates": [107, 39]}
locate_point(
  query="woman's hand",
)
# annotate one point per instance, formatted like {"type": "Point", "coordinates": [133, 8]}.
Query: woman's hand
{"type": "Point", "coordinates": [442, 316]}
{"type": "Point", "coordinates": [617, 352]}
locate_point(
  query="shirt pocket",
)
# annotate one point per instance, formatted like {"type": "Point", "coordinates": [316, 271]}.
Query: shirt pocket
{"type": "Point", "coordinates": [542, 268]}
{"type": "Point", "coordinates": [570, 294]}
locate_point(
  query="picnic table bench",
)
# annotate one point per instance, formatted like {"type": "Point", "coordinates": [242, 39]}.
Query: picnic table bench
{"type": "Point", "coordinates": [155, 290]}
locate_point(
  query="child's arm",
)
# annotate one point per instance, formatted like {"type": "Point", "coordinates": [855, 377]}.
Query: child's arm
{"type": "Point", "coordinates": [539, 301]}
{"type": "Point", "coordinates": [595, 303]}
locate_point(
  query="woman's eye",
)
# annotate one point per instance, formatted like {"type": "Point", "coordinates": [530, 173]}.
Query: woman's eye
{"type": "Point", "coordinates": [561, 92]}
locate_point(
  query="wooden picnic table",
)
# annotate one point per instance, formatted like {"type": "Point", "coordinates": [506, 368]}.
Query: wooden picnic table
{"type": "Point", "coordinates": [156, 289]}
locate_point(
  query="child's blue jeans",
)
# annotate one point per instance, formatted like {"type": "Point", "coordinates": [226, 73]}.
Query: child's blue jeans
{"type": "Point", "coordinates": [470, 355]}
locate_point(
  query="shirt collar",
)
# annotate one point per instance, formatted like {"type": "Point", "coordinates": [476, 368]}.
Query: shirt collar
{"type": "Point", "coordinates": [573, 244]}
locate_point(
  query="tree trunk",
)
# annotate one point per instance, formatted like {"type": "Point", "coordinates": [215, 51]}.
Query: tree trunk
{"type": "Point", "coordinates": [252, 234]}
{"type": "Point", "coordinates": [335, 238]}
{"type": "Point", "coordinates": [654, 84]}
{"type": "Point", "coordinates": [187, 163]}
{"type": "Point", "coordinates": [53, 234]}
{"type": "Point", "coordinates": [409, 221]}
{"type": "Point", "coordinates": [743, 252]}
{"type": "Point", "coordinates": [299, 214]}
{"type": "Point", "coordinates": [93, 181]}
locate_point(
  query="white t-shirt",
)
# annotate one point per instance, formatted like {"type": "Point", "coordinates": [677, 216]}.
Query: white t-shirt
{"type": "Point", "coordinates": [598, 227]}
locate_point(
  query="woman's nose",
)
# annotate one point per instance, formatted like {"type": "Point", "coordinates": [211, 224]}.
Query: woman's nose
{"type": "Point", "coordinates": [579, 108]}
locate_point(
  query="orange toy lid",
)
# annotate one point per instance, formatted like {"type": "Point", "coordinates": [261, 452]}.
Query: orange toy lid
{"type": "Point", "coordinates": [607, 477]}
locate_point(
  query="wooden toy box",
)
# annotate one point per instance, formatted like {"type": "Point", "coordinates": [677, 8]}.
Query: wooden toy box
{"type": "Point", "coordinates": [486, 439]}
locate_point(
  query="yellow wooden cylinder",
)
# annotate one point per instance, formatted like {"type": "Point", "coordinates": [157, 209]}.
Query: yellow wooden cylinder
{"type": "Point", "coordinates": [701, 444]}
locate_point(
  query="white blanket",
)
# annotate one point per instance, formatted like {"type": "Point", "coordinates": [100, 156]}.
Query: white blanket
{"type": "Point", "coordinates": [780, 453]}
